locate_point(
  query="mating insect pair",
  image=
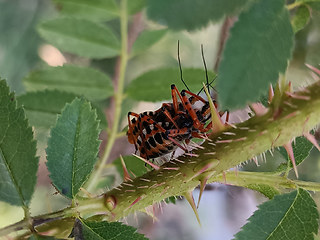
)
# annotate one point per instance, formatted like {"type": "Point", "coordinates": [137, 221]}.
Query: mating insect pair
{"type": "Point", "coordinates": [160, 132]}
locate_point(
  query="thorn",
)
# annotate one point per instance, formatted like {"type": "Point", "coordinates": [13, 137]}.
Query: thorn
{"type": "Point", "coordinates": [271, 93]}
{"type": "Point", "coordinates": [301, 97]}
{"type": "Point", "coordinates": [258, 109]}
{"type": "Point", "coordinates": [135, 201]}
{"type": "Point", "coordinates": [312, 139]}
{"type": "Point", "coordinates": [147, 162]}
{"type": "Point", "coordinates": [217, 124]}
{"type": "Point", "coordinates": [203, 183]}
{"type": "Point", "coordinates": [224, 177]}
{"type": "Point", "coordinates": [288, 147]}
{"type": "Point", "coordinates": [210, 165]}
{"type": "Point", "coordinates": [126, 175]}
{"type": "Point", "coordinates": [189, 197]}
{"type": "Point", "coordinates": [255, 159]}
{"type": "Point", "coordinates": [313, 69]}
{"type": "Point", "coordinates": [86, 193]}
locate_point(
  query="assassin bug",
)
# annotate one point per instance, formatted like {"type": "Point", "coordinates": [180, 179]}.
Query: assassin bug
{"type": "Point", "coordinates": [157, 133]}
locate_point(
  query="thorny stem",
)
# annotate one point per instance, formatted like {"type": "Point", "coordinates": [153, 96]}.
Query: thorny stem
{"type": "Point", "coordinates": [118, 95]}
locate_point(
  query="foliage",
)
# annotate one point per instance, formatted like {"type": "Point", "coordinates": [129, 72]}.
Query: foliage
{"type": "Point", "coordinates": [110, 38]}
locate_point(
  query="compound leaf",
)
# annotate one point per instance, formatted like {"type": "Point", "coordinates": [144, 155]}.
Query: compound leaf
{"type": "Point", "coordinates": [73, 147]}
{"type": "Point", "coordinates": [81, 37]}
{"type": "Point", "coordinates": [190, 14]}
{"type": "Point", "coordinates": [105, 230]}
{"type": "Point", "coordinates": [86, 81]}
{"type": "Point", "coordinates": [94, 10]}
{"type": "Point", "coordinates": [18, 161]}
{"type": "Point", "coordinates": [258, 49]}
{"type": "Point", "coordinates": [155, 85]}
{"type": "Point", "coordinates": [291, 216]}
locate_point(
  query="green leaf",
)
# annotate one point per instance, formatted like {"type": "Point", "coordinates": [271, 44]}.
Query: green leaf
{"type": "Point", "coordinates": [155, 85]}
{"type": "Point", "coordinates": [146, 40]}
{"type": "Point", "coordinates": [42, 107]}
{"type": "Point", "coordinates": [81, 37]}
{"type": "Point", "coordinates": [300, 19]}
{"type": "Point", "coordinates": [291, 216]}
{"type": "Point", "coordinates": [259, 47]}
{"type": "Point", "coordinates": [19, 43]}
{"type": "Point", "coordinates": [18, 161]}
{"type": "Point", "coordinates": [135, 5]}
{"type": "Point", "coordinates": [265, 189]}
{"type": "Point", "coordinates": [86, 81]}
{"type": "Point", "coordinates": [105, 230]}
{"type": "Point", "coordinates": [73, 147]}
{"type": "Point", "coordinates": [133, 164]}
{"type": "Point", "coordinates": [190, 14]}
{"type": "Point", "coordinates": [301, 150]}
{"type": "Point", "coordinates": [94, 10]}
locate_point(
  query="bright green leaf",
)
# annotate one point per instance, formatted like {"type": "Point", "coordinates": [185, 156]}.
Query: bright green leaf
{"type": "Point", "coordinates": [259, 47]}
{"type": "Point", "coordinates": [155, 85]}
{"type": "Point", "coordinates": [301, 150]}
{"type": "Point", "coordinates": [94, 10]}
{"type": "Point", "coordinates": [300, 19]}
{"type": "Point", "coordinates": [133, 164]}
{"type": "Point", "coordinates": [105, 230]}
{"type": "Point", "coordinates": [42, 107]}
{"type": "Point", "coordinates": [190, 14]}
{"type": "Point", "coordinates": [171, 199]}
{"type": "Point", "coordinates": [86, 81]}
{"type": "Point", "coordinates": [147, 39]}
{"type": "Point", "coordinates": [265, 189]}
{"type": "Point", "coordinates": [18, 161]}
{"type": "Point", "coordinates": [73, 147]}
{"type": "Point", "coordinates": [291, 216]}
{"type": "Point", "coordinates": [81, 37]}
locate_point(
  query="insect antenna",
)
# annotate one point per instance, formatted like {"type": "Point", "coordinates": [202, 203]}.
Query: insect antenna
{"type": "Point", "coordinates": [205, 68]}
{"type": "Point", "coordinates": [179, 62]}
{"type": "Point", "coordinates": [209, 85]}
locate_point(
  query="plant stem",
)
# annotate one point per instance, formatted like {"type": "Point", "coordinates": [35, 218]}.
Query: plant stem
{"type": "Point", "coordinates": [294, 5]}
{"type": "Point", "coordinates": [244, 179]}
{"type": "Point", "coordinates": [118, 95]}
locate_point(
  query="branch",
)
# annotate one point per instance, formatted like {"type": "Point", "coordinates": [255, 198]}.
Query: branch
{"type": "Point", "coordinates": [290, 116]}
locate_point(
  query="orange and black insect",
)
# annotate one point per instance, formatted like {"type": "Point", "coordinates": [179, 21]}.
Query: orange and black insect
{"type": "Point", "coordinates": [157, 133]}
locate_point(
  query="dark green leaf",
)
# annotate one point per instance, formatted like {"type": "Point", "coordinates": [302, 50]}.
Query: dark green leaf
{"type": "Point", "coordinates": [106, 230]}
{"type": "Point", "coordinates": [133, 164]}
{"type": "Point", "coordinates": [19, 41]}
{"type": "Point", "coordinates": [135, 6]}
{"type": "Point", "coordinates": [147, 39]}
{"type": "Point", "coordinates": [190, 14]}
{"type": "Point", "coordinates": [86, 81]}
{"type": "Point", "coordinates": [259, 47]}
{"type": "Point", "coordinates": [155, 85]}
{"type": "Point", "coordinates": [81, 37]}
{"type": "Point", "coordinates": [73, 147]}
{"type": "Point", "coordinates": [18, 161]}
{"type": "Point", "coordinates": [265, 189]}
{"type": "Point", "coordinates": [300, 19]}
{"type": "Point", "coordinates": [301, 150]}
{"type": "Point", "coordinates": [94, 10]}
{"type": "Point", "coordinates": [42, 107]}
{"type": "Point", "coordinates": [291, 216]}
